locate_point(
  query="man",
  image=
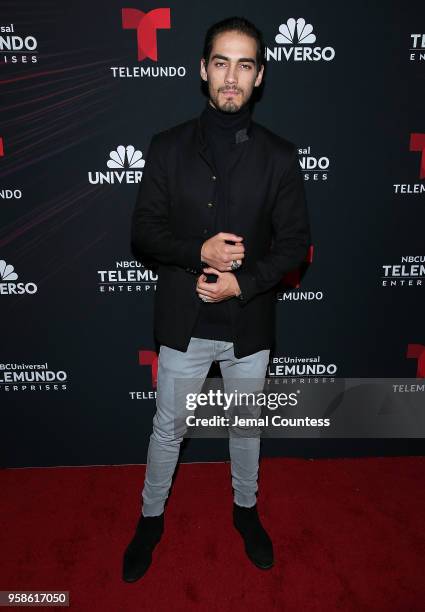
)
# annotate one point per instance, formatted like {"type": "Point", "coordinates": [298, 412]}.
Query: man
{"type": "Point", "coordinates": [221, 211]}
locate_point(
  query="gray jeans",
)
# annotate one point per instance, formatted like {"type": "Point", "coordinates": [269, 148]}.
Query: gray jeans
{"type": "Point", "coordinates": [165, 440]}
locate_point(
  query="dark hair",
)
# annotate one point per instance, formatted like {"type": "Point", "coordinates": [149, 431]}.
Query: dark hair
{"type": "Point", "coordinates": [236, 24]}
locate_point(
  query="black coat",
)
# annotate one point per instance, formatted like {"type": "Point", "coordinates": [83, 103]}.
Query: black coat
{"type": "Point", "coordinates": [173, 217]}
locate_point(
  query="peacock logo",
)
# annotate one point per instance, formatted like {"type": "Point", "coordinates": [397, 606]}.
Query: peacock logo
{"type": "Point", "coordinates": [294, 40]}
{"type": "Point", "coordinates": [7, 272]}
{"type": "Point", "coordinates": [7, 284]}
{"type": "Point", "coordinates": [295, 32]}
{"type": "Point", "coordinates": [124, 157]}
{"type": "Point", "coordinates": [125, 165]}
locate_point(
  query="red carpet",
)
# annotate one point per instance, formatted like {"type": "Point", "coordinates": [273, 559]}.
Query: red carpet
{"type": "Point", "coordinates": [348, 534]}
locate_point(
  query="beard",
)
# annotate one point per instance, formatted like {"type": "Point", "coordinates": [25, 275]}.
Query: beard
{"type": "Point", "coordinates": [229, 105]}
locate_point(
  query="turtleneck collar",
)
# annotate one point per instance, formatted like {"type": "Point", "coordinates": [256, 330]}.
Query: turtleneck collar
{"type": "Point", "coordinates": [225, 125]}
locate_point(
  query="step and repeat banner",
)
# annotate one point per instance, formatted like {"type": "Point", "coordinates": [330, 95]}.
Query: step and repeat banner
{"type": "Point", "coordinates": [84, 86]}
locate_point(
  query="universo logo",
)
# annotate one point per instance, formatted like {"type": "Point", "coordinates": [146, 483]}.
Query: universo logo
{"type": "Point", "coordinates": [125, 163]}
{"type": "Point", "coordinates": [297, 36]}
{"type": "Point", "coordinates": [146, 26]}
{"type": "Point", "coordinates": [7, 284]}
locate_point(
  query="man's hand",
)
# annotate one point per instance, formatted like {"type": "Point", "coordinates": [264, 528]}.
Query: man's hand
{"type": "Point", "coordinates": [219, 255]}
{"type": "Point", "coordinates": [224, 288]}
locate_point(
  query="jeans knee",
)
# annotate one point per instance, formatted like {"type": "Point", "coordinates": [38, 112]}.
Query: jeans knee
{"type": "Point", "coordinates": [168, 433]}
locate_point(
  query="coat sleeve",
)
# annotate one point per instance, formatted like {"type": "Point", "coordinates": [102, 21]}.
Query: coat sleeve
{"type": "Point", "coordinates": [151, 237]}
{"type": "Point", "coordinates": [291, 236]}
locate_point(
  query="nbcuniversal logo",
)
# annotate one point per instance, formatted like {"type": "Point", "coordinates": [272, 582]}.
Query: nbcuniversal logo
{"type": "Point", "coordinates": [296, 36]}
{"type": "Point", "coordinates": [17, 49]}
{"type": "Point", "coordinates": [125, 165]}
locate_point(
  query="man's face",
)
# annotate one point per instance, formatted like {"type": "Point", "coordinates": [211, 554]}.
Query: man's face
{"type": "Point", "coordinates": [232, 71]}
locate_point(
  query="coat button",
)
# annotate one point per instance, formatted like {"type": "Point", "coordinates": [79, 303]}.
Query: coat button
{"type": "Point", "coordinates": [213, 177]}
{"type": "Point", "coordinates": [205, 231]}
{"type": "Point", "coordinates": [210, 204]}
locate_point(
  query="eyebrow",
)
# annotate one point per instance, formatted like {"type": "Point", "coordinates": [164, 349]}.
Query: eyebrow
{"type": "Point", "coordinates": [241, 59]}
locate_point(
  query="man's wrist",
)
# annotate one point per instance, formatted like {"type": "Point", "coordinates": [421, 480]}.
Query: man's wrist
{"type": "Point", "coordinates": [238, 292]}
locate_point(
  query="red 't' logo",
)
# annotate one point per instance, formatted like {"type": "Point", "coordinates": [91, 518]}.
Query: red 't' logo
{"type": "Point", "coordinates": [417, 143]}
{"type": "Point", "coordinates": [146, 25]}
{"type": "Point", "coordinates": [417, 351]}
{"type": "Point", "coordinates": [293, 278]}
{"type": "Point", "coordinates": [150, 358]}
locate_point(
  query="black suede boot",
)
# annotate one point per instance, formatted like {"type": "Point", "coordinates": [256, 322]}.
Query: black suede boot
{"type": "Point", "coordinates": [138, 555]}
{"type": "Point", "coordinates": [258, 545]}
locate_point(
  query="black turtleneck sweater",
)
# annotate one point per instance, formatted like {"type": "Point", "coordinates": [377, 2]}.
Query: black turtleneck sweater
{"type": "Point", "coordinates": [214, 320]}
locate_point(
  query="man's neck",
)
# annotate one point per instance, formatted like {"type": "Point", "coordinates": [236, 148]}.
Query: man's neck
{"type": "Point", "coordinates": [220, 120]}
{"type": "Point", "coordinates": [222, 127]}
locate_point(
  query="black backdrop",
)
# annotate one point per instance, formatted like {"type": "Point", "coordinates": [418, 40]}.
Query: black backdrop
{"type": "Point", "coordinates": [357, 112]}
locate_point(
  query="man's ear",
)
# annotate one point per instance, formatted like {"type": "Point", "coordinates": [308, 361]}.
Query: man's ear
{"type": "Point", "coordinates": [259, 77]}
{"type": "Point", "coordinates": [203, 70]}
